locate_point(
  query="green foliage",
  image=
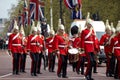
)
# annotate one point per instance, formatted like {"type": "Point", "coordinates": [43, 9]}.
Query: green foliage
{"type": "Point", "coordinates": [107, 9]}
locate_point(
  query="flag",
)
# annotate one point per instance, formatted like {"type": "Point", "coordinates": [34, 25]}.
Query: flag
{"type": "Point", "coordinates": [40, 12]}
{"type": "Point", "coordinates": [11, 26]}
{"type": "Point", "coordinates": [20, 18]}
{"type": "Point", "coordinates": [71, 3]}
{"type": "Point", "coordinates": [35, 9]}
{"type": "Point", "coordinates": [25, 14]}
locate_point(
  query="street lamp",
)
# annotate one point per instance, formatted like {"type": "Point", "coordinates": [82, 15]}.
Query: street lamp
{"type": "Point", "coordinates": [61, 11]}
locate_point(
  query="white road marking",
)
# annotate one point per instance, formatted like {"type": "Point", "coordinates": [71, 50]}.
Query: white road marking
{"type": "Point", "coordinates": [9, 74]}
{"type": "Point", "coordinates": [101, 74]}
{"type": "Point", "coordinates": [46, 78]}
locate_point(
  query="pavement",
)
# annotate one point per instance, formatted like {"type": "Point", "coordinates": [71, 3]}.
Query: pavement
{"type": "Point", "coordinates": [6, 71]}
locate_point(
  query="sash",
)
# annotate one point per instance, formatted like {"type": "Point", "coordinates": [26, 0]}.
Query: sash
{"type": "Point", "coordinates": [116, 42]}
{"type": "Point", "coordinates": [33, 37]}
{"type": "Point", "coordinates": [88, 34]}
{"type": "Point", "coordinates": [51, 40]}
{"type": "Point", "coordinates": [15, 36]}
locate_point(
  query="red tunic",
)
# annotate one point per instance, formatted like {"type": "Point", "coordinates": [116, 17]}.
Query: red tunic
{"type": "Point", "coordinates": [24, 45]}
{"type": "Point", "coordinates": [87, 40]}
{"type": "Point", "coordinates": [32, 43]}
{"type": "Point", "coordinates": [49, 44]}
{"type": "Point", "coordinates": [115, 46]}
{"type": "Point", "coordinates": [104, 41]}
{"type": "Point", "coordinates": [40, 43]}
{"type": "Point", "coordinates": [60, 44]}
{"type": "Point", "coordinates": [15, 43]}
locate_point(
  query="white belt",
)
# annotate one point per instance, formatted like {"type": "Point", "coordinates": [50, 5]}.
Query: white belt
{"type": "Point", "coordinates": [61, 46]}
{"type": "Point", "coordinates": [116, 47]}
{"type": "Point", "coordinates": [33, 44]}
{"type": "Point", "coordinates": [50, 45]}
{"type": "Point", "coordinates": [91, 42]}
{"type": "Point", "coordinates": [16, 44]}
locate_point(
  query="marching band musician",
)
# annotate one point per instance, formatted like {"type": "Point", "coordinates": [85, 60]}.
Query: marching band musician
{"type": "Point", "coordinates": [60, 45]}
{"type": "Point", "coordinates": [115, 44]}
{"type": "Point", "coordinates": [105, 42]}
{"type": "Point", "coordinates": [24, 50]}
{"type": "Point", "coordinates": [33, 50]}
{"type": "Point", "coordinates": [51, 55]}
{"type": "Point", "coordinates": [87, 40]}
{"type": "Point", "coordinates": [14, 47]}
{"type": "Point", "coordinates": [40, 46]}
{"type": "Point", "coordinates": [81, 61]}
{"type": "Point", "coordinates": [74, 32]}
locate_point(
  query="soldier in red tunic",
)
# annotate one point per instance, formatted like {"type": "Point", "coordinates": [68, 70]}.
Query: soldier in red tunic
{"type": "Point", "coordinates": [32, 45]}
{"type": "Point", "coordinates": [104, 41]}
{"type": "Point", "coordinates": [87, 40]}
{"type": "Point", "coordinates": [40, 47]}
{"type": "Point", "coordinates": [24, 50]}
{"type": "Point", "coordinates": [51, 55]}
{"type": "Point", "coordinates": [115, 49]}
{"type": "Point", "coordinates": [60, 45]}
{"type": "Point", "coordinates": [14, 47]}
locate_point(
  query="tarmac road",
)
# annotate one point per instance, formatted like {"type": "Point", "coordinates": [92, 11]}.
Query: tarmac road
{"type": "Point", "coordinates": [6, 71]}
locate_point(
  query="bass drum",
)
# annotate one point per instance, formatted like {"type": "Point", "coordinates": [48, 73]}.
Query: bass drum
{"type": "Point", "coordinates": [73, 55]}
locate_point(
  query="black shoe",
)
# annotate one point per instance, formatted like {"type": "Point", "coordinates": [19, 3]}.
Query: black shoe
{"type": "Point", "coordinates": [59, 75]}
{"type": "Point", "coordinates": [78, 72]}
{"type": "Point", "coordinates": [64, 76]}
{"type": "Point", "coordinates": [24, 71]}
{"type": "Point", "coordinates": [35, 74]}
{"type": "Point", "coordinates": [14, 72]}
{"type": "Point", "coordinates": [91, 79]}
{"type": "Point", "coordinates": [39, 73]}
{"type": "Point", "coordinates": [87, 78]}
{"type": "Point", "coordinates": [116, 77]}
{"type": "Point", "coordinates": [107, 74]}
{"type": "Point", "coordinates": [73, 69]}
{"type": "Point", "coordinates": [53, 71]}
{"type": "Point", "coordinates": [95, 72]}
{"type": "Point", "coordinates": [17, 73]}
{"type": "Point", "coordinates": [110, 75]}
{"type": "Point", "coordinates": [32, 74]}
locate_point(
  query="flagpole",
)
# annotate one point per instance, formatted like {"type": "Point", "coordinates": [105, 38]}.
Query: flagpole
{"type": "Point", "coordinates": [51, 14]}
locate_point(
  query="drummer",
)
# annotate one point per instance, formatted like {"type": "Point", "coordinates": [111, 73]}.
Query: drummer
{"type": "Point", "coordinates": [73, 44]}
{"type": "Point", "coordinates": [77, 44]}
{"type": "Point", "coordinates": [60, 44]}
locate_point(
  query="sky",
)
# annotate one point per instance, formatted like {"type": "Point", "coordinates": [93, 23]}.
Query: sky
{"type": "Point", "coordinates": [5, 5]}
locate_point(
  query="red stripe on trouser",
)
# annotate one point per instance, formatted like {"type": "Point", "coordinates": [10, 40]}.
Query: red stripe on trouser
{"type": "Point", "coordinates": [78, 63]}
{"type": "Point", "coordinates": [118, 59]}
{"type": "Point", "coordinates": [59, 65]}
{"type": "Point", "coordinates": [107, 64]}
{"type": "Point", "coordinates": [31, 64]}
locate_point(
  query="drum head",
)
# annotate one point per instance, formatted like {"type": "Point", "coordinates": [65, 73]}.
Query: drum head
{"type": "Point", "coordinates": [73, 51]}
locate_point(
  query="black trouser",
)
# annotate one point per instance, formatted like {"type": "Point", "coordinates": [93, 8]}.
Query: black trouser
{"type": "Point", "coordinates": [39, 63]}
{"type": "Point", "coordinates": [64, 65]}
{"type": "Point", "coordinates": [112, 65]}
{"type": "Point", "coordinates": [16, 62]}
{"type": "Point", "coordinates": [95, 64]}
{"type": "Point", "coordinates": [51, 58]}
{"type": "Point", "coordinates": [23, 62]}
{"type": "Point", "coordinates": [45, 60]}
{"type": "Point", "coordinates": [91, 63]}
{"type": "Point", "coordinates": [82, 64]}
{"type": "Point", "coordinates": [34, 57]}
{"type": "Point", "coordinates": [74, 65]}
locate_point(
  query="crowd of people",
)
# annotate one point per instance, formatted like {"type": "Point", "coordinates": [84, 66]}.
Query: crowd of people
{"type": "Point", "coordinates": [43, 40]}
